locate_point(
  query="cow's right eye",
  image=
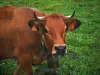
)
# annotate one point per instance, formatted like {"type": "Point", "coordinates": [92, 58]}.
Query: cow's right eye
{"type": "Point", "coordinates": [31, 23]}
{"type": "Point", "coordinates": [45, 30]}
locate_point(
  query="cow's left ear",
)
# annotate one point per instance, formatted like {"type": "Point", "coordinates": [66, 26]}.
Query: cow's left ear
{"type": "Point", "coordinates": [72, 24]}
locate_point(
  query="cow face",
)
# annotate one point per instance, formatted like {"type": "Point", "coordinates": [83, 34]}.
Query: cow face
{"type": "Point", "coordinates": [53, 27]}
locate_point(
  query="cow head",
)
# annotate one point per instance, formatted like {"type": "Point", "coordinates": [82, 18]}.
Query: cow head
{"type": "Point", "coordinates": [53, 27]}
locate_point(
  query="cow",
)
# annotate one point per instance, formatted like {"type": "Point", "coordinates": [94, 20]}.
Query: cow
{"type": "Point", "coordinates": [25, 31]}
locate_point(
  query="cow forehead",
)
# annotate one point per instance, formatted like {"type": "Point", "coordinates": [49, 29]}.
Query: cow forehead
{"type": "Point", "coordinates": [55, 21]}
{"type": "Point", "coordinates": [58, 23]}
{"type": "Point", "coordinates": [55, 16]}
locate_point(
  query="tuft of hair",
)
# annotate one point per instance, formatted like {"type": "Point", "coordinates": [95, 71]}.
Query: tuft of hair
{"type": "Point", "coordinates": [55, 16]}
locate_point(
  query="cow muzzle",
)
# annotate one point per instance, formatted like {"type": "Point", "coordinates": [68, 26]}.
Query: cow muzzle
{"type": "Point", "coordinates": [59, 50]}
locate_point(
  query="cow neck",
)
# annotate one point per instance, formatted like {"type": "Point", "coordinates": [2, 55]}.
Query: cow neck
{"type": "Point", "coordinates": [44, 49]}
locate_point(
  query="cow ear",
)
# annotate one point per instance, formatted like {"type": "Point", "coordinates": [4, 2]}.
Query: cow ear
{"type": "Point", "coordinates": [72, 24]}
{"type": "Point", "coordinates": [32, 25]}
{"type": "Point", "coordinates": [37, 24]}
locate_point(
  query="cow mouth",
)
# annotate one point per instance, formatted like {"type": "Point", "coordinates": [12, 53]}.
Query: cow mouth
{"type": "Point", "coordinates": [58, 55]}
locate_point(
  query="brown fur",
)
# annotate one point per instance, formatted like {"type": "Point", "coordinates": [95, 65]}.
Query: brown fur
{"type": "Point", "coordinates": [17, 40]}
{"type": "Point", "coordinates": [55, 15]}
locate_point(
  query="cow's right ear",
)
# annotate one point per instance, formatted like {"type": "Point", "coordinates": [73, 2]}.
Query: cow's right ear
{"type": "Point", "coordinates": [32, 25]}
{"type": "Point", "coordinates": [37, 24]}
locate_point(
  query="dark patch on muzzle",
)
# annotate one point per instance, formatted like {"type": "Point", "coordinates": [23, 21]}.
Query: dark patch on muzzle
{"type": "Point", "coordinates": [60, 50]}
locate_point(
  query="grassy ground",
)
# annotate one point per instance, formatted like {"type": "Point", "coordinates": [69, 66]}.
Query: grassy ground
{"type": "Point", "coordinates": [83, 42]}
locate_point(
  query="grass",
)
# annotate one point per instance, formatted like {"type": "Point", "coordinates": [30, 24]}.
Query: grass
{"type": "Point", "coordinates": [84, 42]}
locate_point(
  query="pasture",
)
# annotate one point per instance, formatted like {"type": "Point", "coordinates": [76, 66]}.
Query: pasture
{"type": "Point", "coordinates": [83, 44]}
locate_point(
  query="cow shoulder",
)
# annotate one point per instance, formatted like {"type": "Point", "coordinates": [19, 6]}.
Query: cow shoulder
{"type": "Point", "coordinates": [6, 12]}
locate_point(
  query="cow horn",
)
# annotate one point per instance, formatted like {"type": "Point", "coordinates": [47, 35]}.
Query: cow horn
{"type": "Point", "coordinates": [37, 17]}
{"type": "Point", "coordinates": [71, 16]}
{"type": "Point", "coordinates": [68, 16]}
{"type": "Point", "coordinates": [40, 18]}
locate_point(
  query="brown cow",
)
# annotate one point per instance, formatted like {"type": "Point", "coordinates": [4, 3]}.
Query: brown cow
{"type": "Point", "coordinates": [17, 40]}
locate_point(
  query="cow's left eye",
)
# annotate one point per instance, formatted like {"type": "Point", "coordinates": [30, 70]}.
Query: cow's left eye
{"type": "Point", "coordinates": [66, 29]}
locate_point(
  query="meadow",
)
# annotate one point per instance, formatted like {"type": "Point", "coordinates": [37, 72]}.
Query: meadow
{"type": "Point", "coordinates": [83, 44]}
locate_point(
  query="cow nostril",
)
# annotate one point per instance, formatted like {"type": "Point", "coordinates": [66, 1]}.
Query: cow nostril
{"type": "Point", "coordinates": [56, 48]}
{"type": "Point", "coordinates": [60, 48]}
{"type": "Point", "coordinates": [64, 47]}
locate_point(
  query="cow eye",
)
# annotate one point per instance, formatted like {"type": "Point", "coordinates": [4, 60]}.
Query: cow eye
{"type": "Point", "coordinates": [31, 23]}
{"type": "Point", "coordinates": [66, 29]}
{"type": "Point", "coordinates": [45, 30]}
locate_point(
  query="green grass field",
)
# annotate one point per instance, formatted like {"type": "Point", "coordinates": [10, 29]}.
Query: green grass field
{"type": "Point", "coordinates": [84, 42]}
